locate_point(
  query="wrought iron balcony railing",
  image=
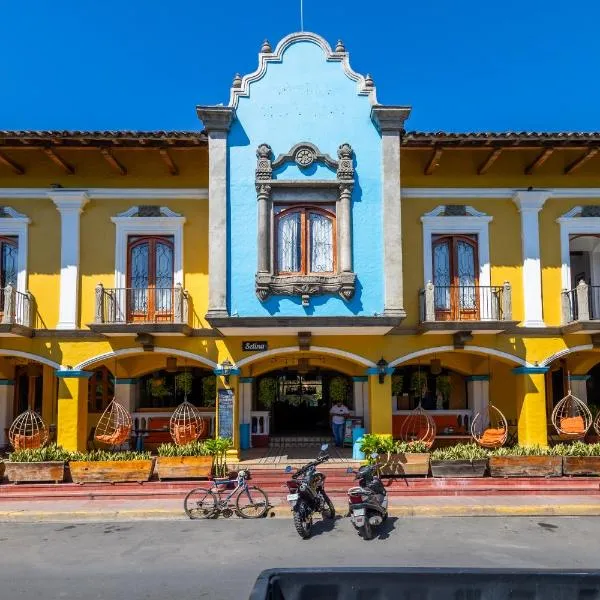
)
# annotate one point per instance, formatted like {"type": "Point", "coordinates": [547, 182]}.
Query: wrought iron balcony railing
{"type": "Point", "coordinates": [465, 303]}
{"type": "Point", "coordinates": [130, 306]}
{"type": "Point", "coordinates": [581, 303]}
{"type": "Point", "coordinates": [16, 307]}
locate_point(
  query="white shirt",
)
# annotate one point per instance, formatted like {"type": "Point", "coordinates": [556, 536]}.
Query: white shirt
{"type": "Point", "coordinates": [339, 414]}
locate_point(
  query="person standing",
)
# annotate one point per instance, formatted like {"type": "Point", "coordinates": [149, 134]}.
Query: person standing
{"type": "Point", "coordinates": [338, 414]}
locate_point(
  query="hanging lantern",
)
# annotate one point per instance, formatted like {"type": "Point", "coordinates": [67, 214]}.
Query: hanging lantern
{"type": "Point", "coordinates": [114, 426]}
{"type": "Point", "coordinates": [186, 424]}
{"type": "Point", "coordinates": [28, 430]}
{"type": "Point", "coordinates": [435, 366]}
{"type": "Point", "coordinates": [171, 364]}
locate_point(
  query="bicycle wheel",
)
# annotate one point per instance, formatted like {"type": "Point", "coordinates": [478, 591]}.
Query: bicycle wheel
{"type": "Point", "coordinates": [252, 503]}
{"type": "Point", "coordinates": [200, 503]}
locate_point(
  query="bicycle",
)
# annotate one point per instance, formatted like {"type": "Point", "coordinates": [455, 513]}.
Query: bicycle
{"type": "Point", "coordinates": [203, 503]}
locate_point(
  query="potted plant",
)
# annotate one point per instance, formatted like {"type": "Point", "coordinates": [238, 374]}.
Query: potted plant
{"type": "Point", "coordinates": [525, 461]}
{"type": "Point", "coordinates": [338, 389]}
{"type": "Point", "coordinates": [418, 384]}
{"type": "Point", "coordinates": [462, 460]}
{"type": "Point", "coordinates": [190, 461]}
{"type": "Point", "coordinates": [580, 458]}
{"type": "Point", "coordinates": [209, 390]}
{"type": "Point", "coordinates": [101, 466]}
{"type": "Point", "coordinates": [374, 443]}
{"type": "Point", "coordinates": [407, 459]}
{"type": "Point", "coordinates": [45, 464]}
{"type": "Point", "coordinates": [443, 387]}
{"type": "Point", "coordinates": [397, 387]}
{"type": "Point", "coordinates": [217, 448]}
{"type": "Point", "coordinates": [184, 381]}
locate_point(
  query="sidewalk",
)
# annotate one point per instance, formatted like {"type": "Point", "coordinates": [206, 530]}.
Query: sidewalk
{"type": "Point", "coordinates": [105, 509]}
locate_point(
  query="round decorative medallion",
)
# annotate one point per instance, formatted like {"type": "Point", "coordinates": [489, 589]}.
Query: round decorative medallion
{"type": "Point", "coordinates": [304, 157]}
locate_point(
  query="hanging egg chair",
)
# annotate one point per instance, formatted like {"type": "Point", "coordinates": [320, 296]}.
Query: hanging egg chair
{"type": "Point", "coordinates": [571, 417]}
{"type": "Point", "coordinates": [114, 426]}
{"type": "Point", "coordinates": [489, 428]}
{"type": "Point", "coordinates": [418, 426]}
{"type": "Point", "coordinates": [186, 424]}
{"type": "Point", "coordinates": [597, 424]}
{"type": "Point", "coordinates": [28, 430]}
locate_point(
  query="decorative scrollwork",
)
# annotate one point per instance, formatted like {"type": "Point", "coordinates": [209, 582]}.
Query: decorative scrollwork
{"type": "Point", "coordinates": [304, 157]}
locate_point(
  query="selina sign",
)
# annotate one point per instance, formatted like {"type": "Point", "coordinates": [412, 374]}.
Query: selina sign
{"type": "Point", "coordinates": [254, 346]}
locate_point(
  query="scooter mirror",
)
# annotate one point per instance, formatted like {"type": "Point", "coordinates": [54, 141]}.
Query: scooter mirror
{"type": "Point", "coordinates": [374, 455]}
{"type": "Point", "coordinates": [349, 470]}
{"type": "Point", "coordinates": [324, 447]}
{"type": "Point", "coordinates": [288, 469]}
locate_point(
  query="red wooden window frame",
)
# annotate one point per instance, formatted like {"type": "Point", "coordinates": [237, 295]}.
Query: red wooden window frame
{"type": "Point", "coordinates": [305, 210]}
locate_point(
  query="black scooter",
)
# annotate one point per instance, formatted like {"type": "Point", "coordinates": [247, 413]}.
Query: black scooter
{"type": "Point", "coordinates": [368, 503]}
{"type": "Point", "coordinates": [307, 494]}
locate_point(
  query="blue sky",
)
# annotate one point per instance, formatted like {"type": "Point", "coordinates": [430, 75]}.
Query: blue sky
{"type": "Point", "coordinates": [464, 65]}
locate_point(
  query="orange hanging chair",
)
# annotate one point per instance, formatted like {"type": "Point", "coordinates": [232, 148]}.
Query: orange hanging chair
{"type": "Point", "coordinates": [571, 417]}
{"type": "Point", "coordinates": [28, 431]}
{"type": "Point", "coordinates": [418, 426]}
{"type": "Point", "coordinates": [489, 428]}
{"type": "Point", "coordinates": [114, 426]}
{"type": "Point", "coordinates": [186, 424]}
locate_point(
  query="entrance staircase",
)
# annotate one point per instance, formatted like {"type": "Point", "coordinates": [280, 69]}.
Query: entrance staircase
{"type": "Point", "coordinates": [295, 441]}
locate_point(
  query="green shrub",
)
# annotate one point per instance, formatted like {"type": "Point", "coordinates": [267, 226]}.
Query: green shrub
{"type": "Point", "coordinates": [48, 453]}
{"type": "Point", "coordinates": [374, 443]}
{"type": "Point", "coordinates": [98, 455]}
{"type": "Point", "coordinates": [217, 448]}
{"type": "Point", "coordinates": [338, 389]}
{"type": "Point", "coordinates": [524, 451]}
{"type": "Point", "coordinates": [195, 448]}
{"type": "Point", "coordinates": [415, 447]}
{"type": "Point", "coordinates": [577, 449]}
{"type": "Point", "coordinates": [460, 452]}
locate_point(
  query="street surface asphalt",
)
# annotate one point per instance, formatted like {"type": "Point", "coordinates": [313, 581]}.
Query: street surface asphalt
{"type": "Point", "coordinates": [220, 560]}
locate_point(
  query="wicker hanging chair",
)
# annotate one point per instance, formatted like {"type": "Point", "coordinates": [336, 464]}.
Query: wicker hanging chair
{"type": "Point", "coordinates": [28, 430]}
{"type": "Point", "coordinates": [418, 426]}
{"type": "Point", "coordinates": [114, 426]}
{"type": "Point", "coordinates": [489, 428]}
{"type": "Point", "coordinates": [597, 424]}
{"type": "Point", "coordinates": [186, 424]}
{"type": "Point", "coordinates": [571, 417]}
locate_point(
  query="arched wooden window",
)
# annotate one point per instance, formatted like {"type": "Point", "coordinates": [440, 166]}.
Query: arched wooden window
{"type": "Point", "coordinates": [8, 264]}
{"type": "Point", "coordinates": [150, 278]}
{"type": "Point", "coordinates": [305, 240]}
{"type": "Point", "coordinates": [456, 277]}
{"type": "Point", "coordinates": [101, 390]}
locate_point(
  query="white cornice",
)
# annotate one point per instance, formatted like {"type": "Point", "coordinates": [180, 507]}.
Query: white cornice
{"type": "Point", "coordinates": [243, 89]}
{"type": "Point", "coordinates": [109, 193]}
{"type": "Point", "coordinates": [439, 211]}
{"type": "Point", "coordinates": [499, 192]}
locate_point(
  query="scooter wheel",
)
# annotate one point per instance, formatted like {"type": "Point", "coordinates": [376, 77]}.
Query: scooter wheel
{"type": "Point", "coordinates": [367, 530]}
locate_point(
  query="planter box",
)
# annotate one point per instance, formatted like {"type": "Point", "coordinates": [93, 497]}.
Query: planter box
{"type": "Point", "coordinates": [32, 472]}
{"type": "Point", "coordinates": [404, 465]}
{"type": "Point", "coordinates": [111, 471]}
{"type": "Point", "coordinates": [581, 465]}
{"type": "Point", "coordinates": [525, 466]}
{"type": "Point", "coordinates": [184, 467]}
{"type": "Point", "coordinates": [459, 468]}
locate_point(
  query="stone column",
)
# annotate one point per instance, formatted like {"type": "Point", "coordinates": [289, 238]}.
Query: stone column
{"type": "Point", "coordinates": [263, 192]}
{"type": "Point", "coordinates": [7, 394]}
{"type": "Point", "coordinates": [529, 204]}
{"type": "Point", "coordinates": [345, 227]}
{"type": "Point", "coordinates": [390, 120]}
{"type": "Point", "coordinates": [478, 398]}
{"type": "Point", "coordinates": [245, 400]}
{"type": "Point", "coordinates": [359, 399]}
{"type": "Point", "coordinates": [217, 121]}
{"type": "Point", "coordinates": [531, 406]}
{"type": "Point", "coordinates": [72, 423]}
{"type": "Point", "coordinates": [70, 205]}
{"type": "Point", "coordinates": [579, 387]}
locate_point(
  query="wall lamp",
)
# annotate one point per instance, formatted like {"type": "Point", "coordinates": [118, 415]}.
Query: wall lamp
{"type": "Point", "coordinates": [382, 369]}
{"type": "Point", "coordinates": [226, 367]}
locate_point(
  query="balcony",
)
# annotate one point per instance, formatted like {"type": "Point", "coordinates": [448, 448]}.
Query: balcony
{"type": "Point", "coordinates": [473, 309]}
{"type": "Point", "coordinates": [581, 309]}
{"type": "Point", "coordinates": [131, 311]}
{"type": "Point", "coordinates": [17, 311]}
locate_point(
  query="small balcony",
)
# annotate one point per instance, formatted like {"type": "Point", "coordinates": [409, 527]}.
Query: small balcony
{"type": "Point", "coordinates": [17, 312]}
{"type": "Point", "coordinates": [471, 308]}
{"type": "Point", "coordinates": [131, 311]}
{"type": "Point", "coordinates": [581, 309]}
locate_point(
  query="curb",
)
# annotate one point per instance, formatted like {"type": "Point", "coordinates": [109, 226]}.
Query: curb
{"type": "Point", "coordinates": [557, 510]}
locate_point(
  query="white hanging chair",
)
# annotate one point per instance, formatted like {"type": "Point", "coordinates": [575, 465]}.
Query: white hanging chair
{"type": "Point", "coordinates": [28, 430]}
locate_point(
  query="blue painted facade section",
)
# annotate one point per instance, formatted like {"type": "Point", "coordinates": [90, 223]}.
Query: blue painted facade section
{"type": "Point", "coordinates": [304, 99]}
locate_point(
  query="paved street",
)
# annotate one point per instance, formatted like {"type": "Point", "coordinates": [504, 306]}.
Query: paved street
{"type": "Point", "coordinates": [220, 559]}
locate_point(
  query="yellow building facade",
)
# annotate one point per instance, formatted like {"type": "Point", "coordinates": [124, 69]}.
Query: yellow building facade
{"type": "Point", "coordinates": [123, 273]}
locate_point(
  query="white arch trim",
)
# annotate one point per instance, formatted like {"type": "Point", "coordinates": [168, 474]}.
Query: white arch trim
{"type": "Point", "coordinates": [133, 351]}
{"type": "Point", "coordinates": [565, 352]}
{"type": "Point", "coordinates": [322, 349]}
{"type": "Point", "coordinates": [477, 349]}
{"type": "Point", "coordinates": [40, 359]}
